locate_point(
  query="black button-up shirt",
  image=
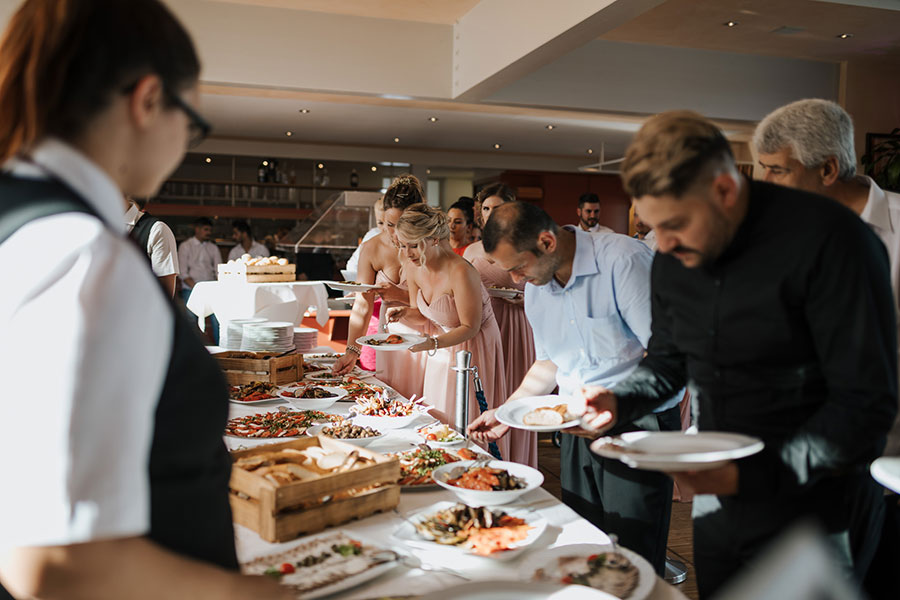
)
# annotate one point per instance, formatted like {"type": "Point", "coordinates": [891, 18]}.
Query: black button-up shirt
{"type": "Point", "coordinates": [789, 336]}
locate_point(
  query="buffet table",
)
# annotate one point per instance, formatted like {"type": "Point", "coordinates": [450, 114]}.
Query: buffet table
{"type": "Point", "coordinates": [230, 300]}
{"type": "Point", "coordinates": [565, 527]}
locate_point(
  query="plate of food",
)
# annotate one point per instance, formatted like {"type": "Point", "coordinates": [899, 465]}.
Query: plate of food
{"type": "Point", "coordinates": [357, 388]}
{"type": "Point", "coordinates": [618, 571]}
{"type": "Point", "coordinates": [440, 435]}
{"type": "Point", "coordinates": [277, 424]}
{"type": "Point", "coordinates": [416, 465]}
{"type": "Point", "coordinates": [483, 531]}
{"type": "Point", "coordinates": [350, 286]}
{"type": "Point", "coordinates": [487, 483]}
{"type": "Point", "coordinates": [675, 451]}
{"type": "Point", "coordinates": [517, 590]}
{"type": "Point", "coordinates": [311, 396]}
{"type": "Point", "coordinates": [255, 392]}
{"type": "Point", "coordinates": [324, 376]}
{"type": "Point", "coordinates": [381, 412]}
{"type": "Point", "coordinates": [324, 564]}
{"type": "Point", "coordinates": [504, 292]}
{"type": "Point", "coordinates": [347, 432]}
{"type": "Point", "coordinates": [537, 413]}
{"type": "Point", "coordinates": [320, 358]}
{"type": "Point", "coordinates": [390, 341]}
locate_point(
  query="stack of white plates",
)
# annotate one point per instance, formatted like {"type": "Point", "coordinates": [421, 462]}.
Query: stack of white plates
{"type": "Point", "coordinates": [233, 332]}
{"type": "Point", "coordinates": [270, 336]}
{"type": "Point", "coordinates": [305, 338]}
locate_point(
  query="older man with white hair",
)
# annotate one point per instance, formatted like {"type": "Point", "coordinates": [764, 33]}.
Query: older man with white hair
{"type": "Point", "coordinates": [808, 145]}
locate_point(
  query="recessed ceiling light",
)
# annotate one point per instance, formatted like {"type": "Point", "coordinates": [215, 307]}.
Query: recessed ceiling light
{"type": "Point", "coordinates": [321, 166]}
{"type": "Point", "coordinates": [590, 150]}
{"type": "Point", "coordinates": [396, 140]}
{"type": "Point", "coordinates": [265, 163]}
{"type": "Point", "coordinates": [208, 160]}
{"type": "Point", "coordinates": [497, 146]}
{"type": "Point", "coordinates": [433, 119]}
{"type": "Point", "coordinates": [845, 36]}
{"type": "Point", "coordinates": [304, 111]}
{"type": "Point", "coordinates": [730, 23]}
{"type": "Point", "coordinates": [374, 168]}
{"type": "Point", "coordinates": [289, 133]}
{"type": "Point", "coordinates": [551, 127]}
{"type": "Point", "coordinates": [428, 171]}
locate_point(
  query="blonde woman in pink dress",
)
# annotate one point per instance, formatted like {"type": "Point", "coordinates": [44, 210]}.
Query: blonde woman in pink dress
{"type": "Point", "coordinates": [446, 290]}
{"type": "Point", "coordinates": [515, 332]}
{"type": "Point", "coordinates": [380, 263]}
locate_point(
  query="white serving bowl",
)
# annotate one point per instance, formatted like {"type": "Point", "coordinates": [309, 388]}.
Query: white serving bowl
{"type": "Point", "coordinates": [313, 403]}
{"type": "Point", "coordinates": [361, 442]}
{"type": "Point", "coordinates": [533, 480]}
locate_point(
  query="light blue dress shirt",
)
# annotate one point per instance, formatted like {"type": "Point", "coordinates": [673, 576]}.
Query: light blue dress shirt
{"type": "Point", "coordinates": [595, 329]}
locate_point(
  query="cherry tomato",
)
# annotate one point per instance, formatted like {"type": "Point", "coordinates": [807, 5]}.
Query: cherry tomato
{"type": "Point", "coordinates": [431, 437]}
{"type": "Point", "coordinates": [567, 580]}
{"type": "Point", "coordinates": [286, 568]}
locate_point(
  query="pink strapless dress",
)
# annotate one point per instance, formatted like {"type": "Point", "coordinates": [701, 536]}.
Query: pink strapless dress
{"type": "Point", "coordinates": [366, 354]}
{"type": "Point", "coordinates": [487, 355]}
{"type": "Point", "coordinates": [403, 371]}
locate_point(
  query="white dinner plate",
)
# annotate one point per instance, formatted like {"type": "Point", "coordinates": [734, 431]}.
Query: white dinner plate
{"type": "Point", "coordinates": [675, 451]}
{"type": "Point", "coordinates": [512, 412]}
{"type": "Point", "coordinates": [505, 293]}
{"type": "Point", "coordinates": [547, 558]}
{"type": "Point", "coordinates": [345, 286]}
{"type": "Point", "coordinates": [886, 471]}
{"type": "Point", "coordinates": [407, 533]}
{"type": "Point", "coordinates": [313, 403]}
{"type": "Point", "coordinates": [533, 480]}
{"type": "Point", "coordinates": [518, 590]}
{"type": "Point", "coordinates": [274, 393]}
{"type": "Point", "coordinates": [425, 430]}
{"type": "Point", "coordinates": [409, 341]}
{"type": "Point", "coordinates": [361, 442]}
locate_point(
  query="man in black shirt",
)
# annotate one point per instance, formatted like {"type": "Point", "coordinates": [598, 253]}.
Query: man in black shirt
{"type": "Point", "coordinates": [786, 334]}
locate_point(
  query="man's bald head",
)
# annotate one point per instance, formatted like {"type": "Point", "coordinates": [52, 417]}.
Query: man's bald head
{"type": "Point", "coordinates": [518, 224]}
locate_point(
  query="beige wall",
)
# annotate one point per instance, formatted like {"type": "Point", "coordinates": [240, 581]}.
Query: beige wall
{"type": "Point", "coordinates": [870, 92]}
{"type": "Point", "coordinates": [452, 189]}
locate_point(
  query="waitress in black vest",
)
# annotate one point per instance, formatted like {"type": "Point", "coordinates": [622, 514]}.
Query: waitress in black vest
{"type": "Point", "coordinates": [114, 472]}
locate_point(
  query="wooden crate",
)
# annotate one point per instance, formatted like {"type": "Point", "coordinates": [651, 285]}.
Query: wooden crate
{"type": "Point", "coordinates": [255, 274]}
{"type": "Point", "coordinates": [272, 511]}
{"type": "Point", "coordinates": [282, 369]}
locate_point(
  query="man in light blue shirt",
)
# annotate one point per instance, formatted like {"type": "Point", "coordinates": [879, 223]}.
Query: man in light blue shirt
{"type": "Point", "coordinates": [587, 299]}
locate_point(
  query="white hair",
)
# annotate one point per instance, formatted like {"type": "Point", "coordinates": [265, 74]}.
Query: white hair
{"type": "Point", "coordinates": [813, 129]}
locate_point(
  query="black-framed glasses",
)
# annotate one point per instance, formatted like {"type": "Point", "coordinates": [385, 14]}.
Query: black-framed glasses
{"type": "Point", "coordinates": [198, 128]}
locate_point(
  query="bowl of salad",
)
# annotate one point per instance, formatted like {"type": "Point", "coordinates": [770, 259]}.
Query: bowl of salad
{"type": "Point", "coordinates": [440, 435]}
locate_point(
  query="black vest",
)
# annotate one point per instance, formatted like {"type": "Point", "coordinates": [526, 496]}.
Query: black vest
{"type": "Point", "coordinates": [189, 465]}
{"type": "Point", "coordinates": [140, 233]}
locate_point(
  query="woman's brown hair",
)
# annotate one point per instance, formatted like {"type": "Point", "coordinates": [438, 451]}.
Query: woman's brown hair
{"type": "Point", "coordinates": [63, 61]}
{"type": "Point", "coordinates": [404, 191]}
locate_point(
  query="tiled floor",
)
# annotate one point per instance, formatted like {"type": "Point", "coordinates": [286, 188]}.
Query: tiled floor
{"type": "Point", "coordinates": [680, 530]}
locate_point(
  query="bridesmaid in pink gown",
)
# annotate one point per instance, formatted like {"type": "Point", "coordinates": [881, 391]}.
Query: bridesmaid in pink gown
{"type": "Point", "coordinates": [380, 263]}
{"type": "Point", "coordinates": [515, 332]}
{"type": "Point", "coordinates": [446, 290]}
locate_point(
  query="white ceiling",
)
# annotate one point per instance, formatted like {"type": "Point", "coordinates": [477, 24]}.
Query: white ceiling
{"type": "Point", "coordinates": [442, 12]}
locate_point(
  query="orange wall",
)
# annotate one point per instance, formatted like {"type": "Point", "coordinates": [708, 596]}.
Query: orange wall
{"type": "Point", "coordinates": [560, 192]}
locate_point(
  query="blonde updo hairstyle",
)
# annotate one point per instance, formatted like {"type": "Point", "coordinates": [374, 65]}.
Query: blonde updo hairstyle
{"type": "Point", "coordinates": [420, 223]}
{"type": "Point", "coordinates": [403, 192]}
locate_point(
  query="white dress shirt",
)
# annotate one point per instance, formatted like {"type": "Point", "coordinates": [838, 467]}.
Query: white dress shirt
{"type": "Point", "coordinates": [596, 327]}
{"type": "Point", "coordinates": [882, 213]}
{"type": "Point", "coordinates": [198, 261]}
{"type": "Point", "coordinates": [161, 246]}
{"type": "Point", "coordinates": [598, 228]}
{"type": "Point", "coordinates": [650, 240]}
{"type": "Point", "coordinates": [84, 295]}
{"type": "Point", "coordinates": [256, 250]}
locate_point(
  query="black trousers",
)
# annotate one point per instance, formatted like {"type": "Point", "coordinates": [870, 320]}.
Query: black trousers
{"type": "Point", "coordinates": [633, 504]}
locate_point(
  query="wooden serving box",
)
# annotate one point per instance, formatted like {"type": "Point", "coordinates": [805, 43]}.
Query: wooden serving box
{"type": "Point", "coordinates": [257, 274]}
{"type": "Point", "coordinates": [277, 370]}
{"type": "Point", "coordinates": [282, 513]}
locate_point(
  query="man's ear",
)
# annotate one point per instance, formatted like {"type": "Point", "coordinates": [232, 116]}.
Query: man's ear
{"type": "Point", "coordinates": [146, 101]}
{"type": "Point", "coordinates": [547, 242]}
{"type": "Point", "coordinates": [829, 171]}
{"type": "Point", "coordinates": [724, 190]}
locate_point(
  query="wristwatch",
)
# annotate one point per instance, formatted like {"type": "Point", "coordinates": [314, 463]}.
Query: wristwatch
{"type": "Point", "coordinates": [354, 348]}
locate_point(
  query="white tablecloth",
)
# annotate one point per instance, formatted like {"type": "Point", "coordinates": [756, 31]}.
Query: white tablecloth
{"type": "Point", "coordinates": [566, 527]}
{"type": "Point", "coordinates": [230, 300]}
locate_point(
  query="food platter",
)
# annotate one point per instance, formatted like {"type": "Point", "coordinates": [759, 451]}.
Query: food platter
{"type": "Point", "coordinates": [549, 562]}
{"type": "Point", "coordinates": [514, 412]}
{"type": "Point", "coordinates": [529, 478]}
{"type": "Point", "coordinates": [440, 435]}
{"type": "Point", "coordinates": [278, 425]}
{"type": "Point", "coordinates": [382, 341]}
{"type": "Point", "coordinates": [507, 293]}
{"type": "Point", "coordinates": [325, 564]}
{"type": "Point", "coordinates": [531, 527]}
{"type": "Point", "coordinates": [381, 412]}
{"type": "Point", "coordinates": [416, 465]}
{"type": "Point", "coordinates": [316, 403]}
{"type": "Point", "coordinates": [675, 451]}
{"type": "Point", "coordinates": [362, 442]}
{"type": "Point", "coordinates": [256, 392]}
{"type": "Point", "coordinates": [349, 286]}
